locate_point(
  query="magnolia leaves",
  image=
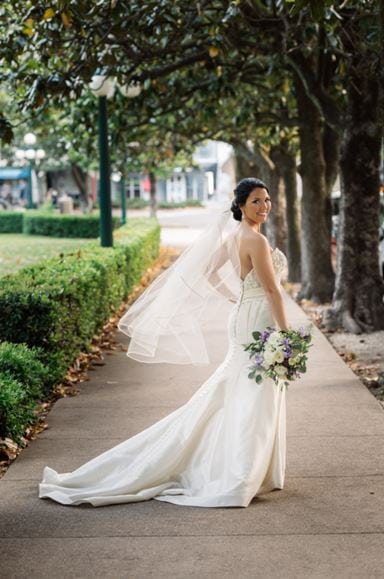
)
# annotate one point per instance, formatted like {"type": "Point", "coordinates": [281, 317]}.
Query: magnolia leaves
{"type": "Point", "coordinates": [31, 23]}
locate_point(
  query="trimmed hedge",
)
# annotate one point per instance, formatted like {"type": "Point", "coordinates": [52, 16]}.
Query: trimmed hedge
{"type": "Point", "coordinates": [24, 364]}
{"type": "Point", "coordinates": [22, 378]}
{"type": "Point", "coordinates": [11, 222]}
{"type": "Point", "coordinates": [86, 226]}
{"type": "Point", "coordinates": [180, 204]}
{"type": "Point", "coordinates": [139, 203]}
{"type": "Point", "coordinates": [59, 304]}
{"type": "Point", "coordinates": [136, 203]}
{"type": "Point", "coordinates": [15, 409]}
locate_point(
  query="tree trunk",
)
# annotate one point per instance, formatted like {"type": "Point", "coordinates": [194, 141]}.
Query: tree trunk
{"type": "Point", "coordinates": [358, 299]}
{"type": "Point", "coordinates": [316, 267]}
{"type": "Point", "coordinates": [276, 224]}
{"type": "Point", "coordinates": [331, 148]}
{"type": "Point", "coordinates": [81, 179]}
{"type": "Point", "coordinates": [245, 162]}
{"type": "Point", "coordinates": [152, 200]}
{"type": "Point", "coordinates": [286, 160]}
{"type": "Point", "coordinates": [253, 162]}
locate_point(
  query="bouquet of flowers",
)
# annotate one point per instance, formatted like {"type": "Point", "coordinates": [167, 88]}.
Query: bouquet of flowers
{"type": "Point", "coordinates": [278, 354]}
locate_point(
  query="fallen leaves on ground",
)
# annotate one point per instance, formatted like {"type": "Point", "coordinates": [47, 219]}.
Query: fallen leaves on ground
{"type": "Point", "coordinates": [101, 345]}
{"type": "Point", "coordinates": [369, 374]}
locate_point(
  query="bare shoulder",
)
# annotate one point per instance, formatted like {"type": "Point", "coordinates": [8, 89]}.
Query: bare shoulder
{"type": "Point", "coordinates": [253, 242]}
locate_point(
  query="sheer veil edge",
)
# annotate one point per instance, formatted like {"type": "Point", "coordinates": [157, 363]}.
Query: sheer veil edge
{"type": "Point", "coordinates": [168, 323]}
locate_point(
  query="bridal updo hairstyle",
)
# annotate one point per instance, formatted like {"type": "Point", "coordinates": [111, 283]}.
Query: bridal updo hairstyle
{"type": "Point", "coordinates": [242, 191]}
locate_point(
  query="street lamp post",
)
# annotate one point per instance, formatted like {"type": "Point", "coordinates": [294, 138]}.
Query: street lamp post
{"type": "Point", "coordinates": [103, 88]}
{"type": "Point", "coordinates": [30, 140]}
{"type": "Point", "coordinates": [106, 226]}
{"type": "Point", "coordinates": [30, 186]}
{"type": "Point", "coordinates": [118, 177]}
{"type": "Point", "coordinates": [30, 154]}
{"type": "Point", "coordinates": [123, 202]}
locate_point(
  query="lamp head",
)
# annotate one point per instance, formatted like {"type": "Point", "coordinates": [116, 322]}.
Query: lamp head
{"type": "Point", "coordinates": [102, 86]}
{"type": "Point", "coordinates": [131, 90]}
{"type": "Point", "coordinates": [30, 139]}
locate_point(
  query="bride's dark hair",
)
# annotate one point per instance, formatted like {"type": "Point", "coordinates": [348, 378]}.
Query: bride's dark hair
{"type": "Point", "coordinates": [242, 191]}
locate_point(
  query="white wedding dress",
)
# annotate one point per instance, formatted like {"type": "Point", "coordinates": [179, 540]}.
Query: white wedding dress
{"type": "Point", "coordinates": [226, 445]}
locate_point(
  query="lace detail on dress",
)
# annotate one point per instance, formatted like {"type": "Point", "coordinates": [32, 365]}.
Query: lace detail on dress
{"type": "Point", "coordinates": [279, 263]}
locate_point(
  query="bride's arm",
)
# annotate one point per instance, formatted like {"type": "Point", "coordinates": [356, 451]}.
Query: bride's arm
{"type": "Point", "coordinates": [260, 254]}
{"type": "Point", "coordinates": [219, 259]}
{"type": "Point", "coordinates": [216, 281]}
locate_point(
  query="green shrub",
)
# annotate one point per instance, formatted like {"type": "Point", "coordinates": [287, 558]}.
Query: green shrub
{"type": "Point", "coordinates": [194, 203]}
{"type": "Point", "coordinates": [137, 203]}
{"type": "Point", "coordinates": [59, 304]}
{"type": "Point", "coordinates": [53, 225]}
{"type": "Point", "coordinates": [16, 410]}
{"type": "Point", "coordinates": [11, 222]}
{"type": "Point", "coordinates": [22, 380]}
{"type": "Point", "coordinates": [179, 204]}
{"type": "Point", "coordinates": [24, 365]}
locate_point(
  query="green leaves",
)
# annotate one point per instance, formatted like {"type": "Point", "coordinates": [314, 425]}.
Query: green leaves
{"type": "Point", "coordinates": [6, 130]}
{"type": "Point", "coordinates": [22, 378]}
{"type": "Point", "coordinates": [317, 8]}
{"type": "Point", "coordinates": [67, 226]}
{"type": "Point", "coordinates": [208, 70]}
{"type": "Point", "coordinates": [254, 376]}
{"type": "Point", "coordinates": [72, 296]}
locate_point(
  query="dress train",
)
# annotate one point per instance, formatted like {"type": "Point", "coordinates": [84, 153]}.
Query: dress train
{"type": "Point", "coordinates": [222, 448]}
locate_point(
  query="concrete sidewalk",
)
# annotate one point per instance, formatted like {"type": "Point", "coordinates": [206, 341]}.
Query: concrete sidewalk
{"type": "Point", "coordinates": [328, 522]}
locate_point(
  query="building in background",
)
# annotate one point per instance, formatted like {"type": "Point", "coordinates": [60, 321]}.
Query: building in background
{"type": "Point", "coordinates": [212, 177]}
{"type": "Point", "coordinates": [13, 186]}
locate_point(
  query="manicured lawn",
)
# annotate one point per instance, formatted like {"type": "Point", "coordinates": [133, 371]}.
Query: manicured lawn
{"type": "Point", "coordinates": [17, 250]}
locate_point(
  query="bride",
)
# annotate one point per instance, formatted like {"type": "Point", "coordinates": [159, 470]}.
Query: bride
{"type": "Point", "coordinates": [227, 444]}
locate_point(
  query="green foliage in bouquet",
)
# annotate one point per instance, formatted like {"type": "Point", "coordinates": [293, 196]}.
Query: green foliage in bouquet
{"type": "Point", "coordinates": [279, 355]}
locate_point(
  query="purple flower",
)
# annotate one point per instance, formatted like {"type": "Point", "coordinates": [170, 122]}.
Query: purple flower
{"type": "Point", "coordinates": [287, 352]}
{"type": "Point", "coordinates": [265, 335]}
{"type": "Point", "coordinates": [304, 333]}
{"type": "Point", "coordinates": [259, 360]}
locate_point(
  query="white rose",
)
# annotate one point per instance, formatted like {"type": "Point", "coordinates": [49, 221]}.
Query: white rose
{"type": "Point", "coordinates": [281, 370]}
{"type": "Point", "coordinates": [268, 359]}
{"type": "Point", "coordinates": [278, 357]}
{"type": "Point", "coordinates": [274, 339]}
{"type": "Point", "coordinates": [269, 349]}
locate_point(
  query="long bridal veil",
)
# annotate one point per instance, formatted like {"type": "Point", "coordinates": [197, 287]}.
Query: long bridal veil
{"type": "Point", "coordinates": [226, 444]}
{"type": "Point", "coordinates": [168, 321]}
